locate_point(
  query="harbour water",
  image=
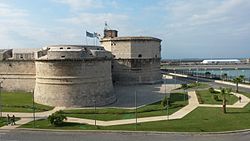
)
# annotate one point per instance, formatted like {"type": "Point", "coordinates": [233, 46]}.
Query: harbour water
{"type": "Point", "coordinates": [229, 72]}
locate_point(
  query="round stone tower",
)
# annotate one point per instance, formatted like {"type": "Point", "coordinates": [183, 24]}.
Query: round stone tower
{"type": "Point", "coordinates": [73, 76]}
{"type": "Point", "coordinates": [136, 59]}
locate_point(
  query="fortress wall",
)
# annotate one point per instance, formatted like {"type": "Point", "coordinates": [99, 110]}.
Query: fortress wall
{"type": "Point", "coordinates": [136, 59]}
{"type": "Point", "coordinates": [74, 83]}
{"type": "Point", "coordinates": [17, 75]}
{"type": "Point", "coordinates": [136, 71]}
{"type": "Point", "coordinates": [147, 49]}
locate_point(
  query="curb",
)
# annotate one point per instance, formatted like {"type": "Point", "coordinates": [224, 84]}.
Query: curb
{"type": "Point", "coordinates": [133, 132]}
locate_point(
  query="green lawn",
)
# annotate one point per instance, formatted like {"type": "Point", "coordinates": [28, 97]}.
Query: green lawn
{"type": "Point", "coordinates": [245, 93]}
{"type": "Point", "coordinates": [198, 85]}
{"type": "Point", "coordinates": [154, 109]}
{"type": "Point", "coordinates": [200, 120]}
{"type": "Point", "coordinates": [205, 97]}
{"type": "Point", "coordinates": [20, 102]}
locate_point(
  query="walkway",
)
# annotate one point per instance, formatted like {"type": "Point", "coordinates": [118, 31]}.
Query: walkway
{"type": "Point", "coordinates": [192, 99]}
{"type": "Point", "coordinates": [193, 103]}
{"type": "Point", "coordinates": [28, 117]}
{"type": "Point", "coordinates": [239, 104]}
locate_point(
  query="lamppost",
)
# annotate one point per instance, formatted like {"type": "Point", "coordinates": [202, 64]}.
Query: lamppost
{"type": "Point", "coordinates": [95, 109]}
{"type": "Point", "coordinates": [1, 98]}
{"type": "Point", "coordinates": [197, 76]}
{"type": "Point", "coordinates": [236, 72]}
{"type": "Point", "coordinates": [135, 110]}
{"type": "Point", "coordinates": [175, 78]}
{"type": "Point", "coordinates": [165, 86]}
{"type": "Point", "coordinates": [34, 110]}
{"type": "Point", "coordinates": [221, 77]}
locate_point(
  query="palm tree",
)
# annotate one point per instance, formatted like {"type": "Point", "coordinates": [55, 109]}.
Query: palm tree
{"type": "Point", "coordinates": [224, 76]}
{"type": "Point", "coordinates": [237, 80]}
{"type": "Point", "coordinates": [224, 93]}
{"type": "Point", "coordinates": [242, 77]}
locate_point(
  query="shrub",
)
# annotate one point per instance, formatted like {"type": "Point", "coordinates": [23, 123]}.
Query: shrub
{"type": "Point", "coordinates": [165, 101]}
{"type": "Point", "coordinates": [184, 86]}
{"type": "Point", "coordinates": [215, 97]}
{"type": "Point", "coordinates": [57, 118]}
{"type": "Point", "coordinates": [211, 90]}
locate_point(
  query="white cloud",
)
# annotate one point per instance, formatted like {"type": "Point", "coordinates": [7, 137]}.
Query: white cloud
{"type": "Point", "coordinates": [8, 11]}
{"type": "Point", "coordinates": [81, 4]}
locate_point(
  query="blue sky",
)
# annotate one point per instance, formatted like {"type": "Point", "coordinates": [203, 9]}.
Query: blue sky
{"type": "Point", "coordinates": [188, 28]}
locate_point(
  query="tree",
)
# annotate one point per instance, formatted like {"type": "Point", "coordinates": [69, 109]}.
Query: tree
{"type": "Point", "coordinates": [57, 118]}
{"type": "Point", "coordinates": [242, 77]}
{"type": "Point", "coordinates": [211, 90]}
{"type": "Point", "coordinates": [184, 86]}
{"type": "Point", "coordinates": [224, 76]}
{"type": "Point", "coordinates": [165, 102]}
{"type": "Point", "coordinates": [207, 74]}
{"type": "Point", "coordinates": [237, 80]}
{"type": "Point", "coordinates": [224, 93]}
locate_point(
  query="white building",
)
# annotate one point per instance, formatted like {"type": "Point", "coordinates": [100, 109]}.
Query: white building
{"type": "Point", "coordinates": [220, 61]}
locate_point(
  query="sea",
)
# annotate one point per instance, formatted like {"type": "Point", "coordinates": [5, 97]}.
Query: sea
{"type": "Point", "coordinates": [229, 72]}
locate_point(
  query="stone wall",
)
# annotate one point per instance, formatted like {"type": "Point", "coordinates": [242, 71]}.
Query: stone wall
{"type": "Point", "coordinates": [136, 59]}
{"type": "Point", "coordinates": [74, 83]}
{"type": "Point", "coordinates": [17, 75]}
{"type": "Point", "coordinates": [136, 71]}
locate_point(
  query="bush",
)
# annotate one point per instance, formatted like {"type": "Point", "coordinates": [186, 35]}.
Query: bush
{"type": "Point", "coordinates": [215, 97]}
{"type": "Point", "coordinates": [57, 118]}
{"type": "Point", "coordinates": [211, 90]}
{"type": "Point", "coordinates": [165, 101]}
{"type": "Point", "coordinates": [184, 86]}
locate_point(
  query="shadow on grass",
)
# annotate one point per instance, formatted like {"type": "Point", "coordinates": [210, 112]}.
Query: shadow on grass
{"type": "Point", "coordinates": [237, 112]}
{"type": "Point", "coordinates": [178, 97]}
{"type": "Point", "coordinates": [69, 124]}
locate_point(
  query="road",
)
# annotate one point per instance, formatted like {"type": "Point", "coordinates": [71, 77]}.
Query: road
{"type": "Point", "coordinates": [210, 82]}
{"type": "Point", "coordinates": [18, 135]}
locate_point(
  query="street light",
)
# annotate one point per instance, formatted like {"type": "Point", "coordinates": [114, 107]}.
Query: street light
{"type": "Point", "coordinates": [197, 76]}
{"type": "Point", "coordinates": [1, 98]}
{"type": "Point", "coordinates": [34, 115]}
{"type": "Point", "coordinates": [165, 86]}
{"type": "Point", "coordinates": [135, 110]}
{"type": "Point", "coordinates": [95, 109]}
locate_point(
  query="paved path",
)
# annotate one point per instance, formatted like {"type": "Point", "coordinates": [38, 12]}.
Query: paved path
{"type": "Point", "coordinates": [193, 103]}
{"type": "Point", "coordinates": [239, 104]}
{"type": "Point", "coordinates": [28, 117]}
{"type": "Point", "coordinates": [192, 99]}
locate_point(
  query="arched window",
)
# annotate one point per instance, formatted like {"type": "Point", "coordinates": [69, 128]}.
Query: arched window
{"type": "Point", "coordinates": [139, 55]}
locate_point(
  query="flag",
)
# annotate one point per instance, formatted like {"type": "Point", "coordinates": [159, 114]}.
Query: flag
{"type": "Point", "coordinates": [88, 34]}
{"type": "Point", "coordinates": [97, 35]}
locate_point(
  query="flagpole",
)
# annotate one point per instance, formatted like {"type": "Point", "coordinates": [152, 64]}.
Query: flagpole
{"type": "Point", "coordinates": [86, 37]}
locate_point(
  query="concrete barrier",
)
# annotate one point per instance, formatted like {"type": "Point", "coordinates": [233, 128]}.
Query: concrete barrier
{"type": "Point", "coordinates": [232, 84]}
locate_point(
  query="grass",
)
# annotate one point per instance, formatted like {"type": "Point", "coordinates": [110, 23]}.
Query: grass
{"type": "Point", "coordinates": [200, 120]}
{"type": "Point", "coordinates": [20, 102]}
{"type": "Point", "coordinates": [3, 121]}
{"type": "Point", "coordinates": [107, 114]}
{"type": "Point", "coordinates": [244, 93]}
{"type": "Point", "coordinates": [205, 97]}
{"type": "Point", "coordinates": [196, 86]}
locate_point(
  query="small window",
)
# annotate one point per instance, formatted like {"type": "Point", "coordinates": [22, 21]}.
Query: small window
{"type": "Point", "coordinates": [139, 55]}
{"type": "Point", "coordinates": [62, 56]}
{"type": "Point", "coordinates": [68, 48]}
{"type": "Point", "coordinates": [155, 56]}
{"type": "Point", "coordinates": [61, 48]}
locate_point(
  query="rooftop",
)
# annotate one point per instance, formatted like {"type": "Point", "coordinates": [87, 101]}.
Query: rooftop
{"type": "Point", "coordinates": [130, 38]}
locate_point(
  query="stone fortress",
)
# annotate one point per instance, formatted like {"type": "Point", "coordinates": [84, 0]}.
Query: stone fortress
{"type": "Point", "coordinates": [81, 75]}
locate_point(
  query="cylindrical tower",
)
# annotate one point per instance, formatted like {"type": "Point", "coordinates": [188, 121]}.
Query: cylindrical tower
{"type": "Point", "coordinates": [73, 76]}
